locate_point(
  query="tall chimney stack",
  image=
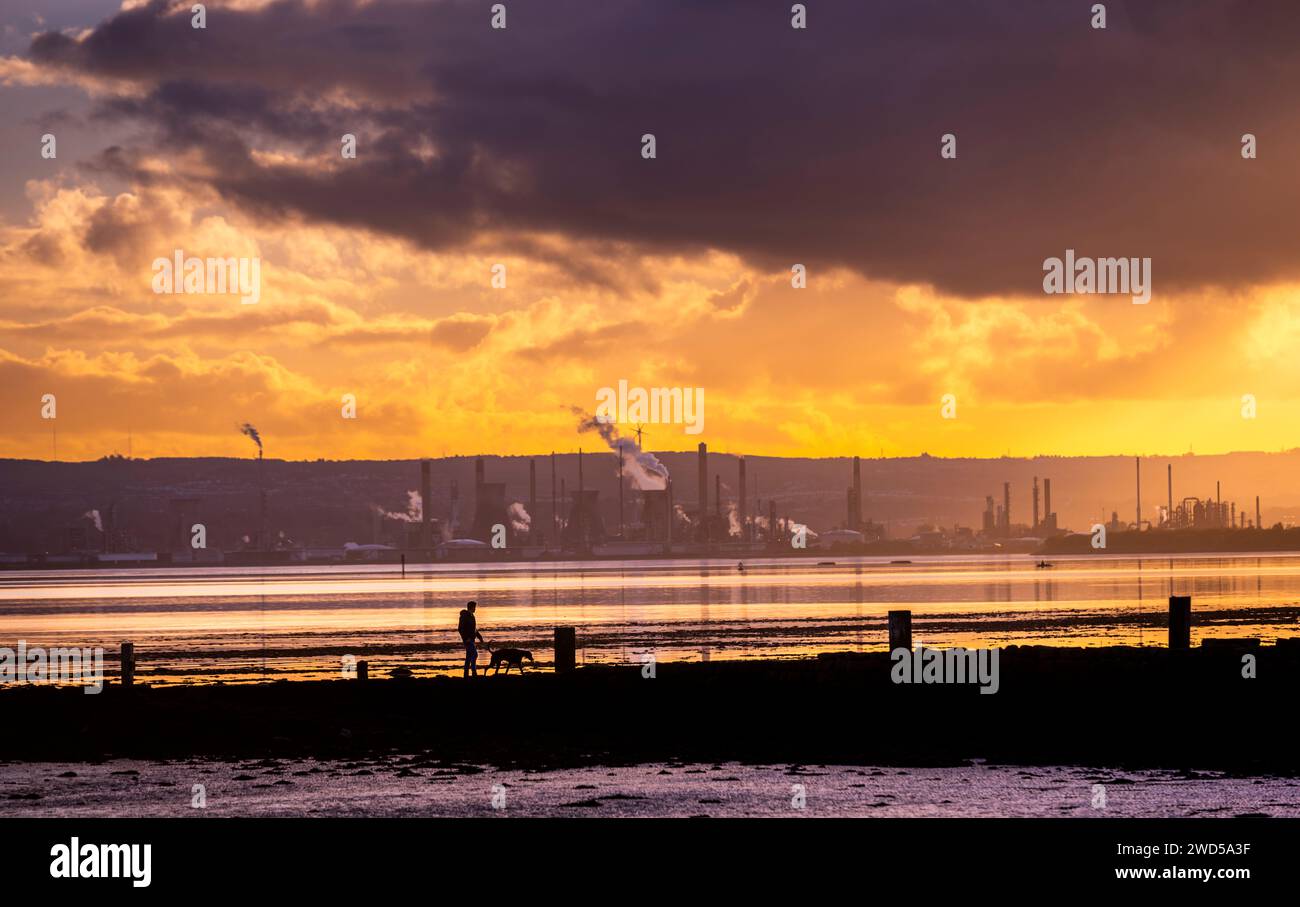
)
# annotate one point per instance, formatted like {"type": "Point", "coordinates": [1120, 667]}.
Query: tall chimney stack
{"type": "Point", "coordinates": [1171, 493]}
{"type": "Point", "coordinates": [1047, 499]}
{"type": "Point", "coordinates": [426, 506]}
{"type": "Point", "coordinates": [704, 483]}
{"type": "Point", "coordinates": [857, 494]}
{"type": "Point", "coordinates": [532, 498]}
{"type": "Point", "coordinates": [744, 522]}
{"type": "Point", "coordinates": [1006, 509]}
{"type": "Point", "coordinates": [1259, 523]}
{"type": "Point", "coordinates": [1137, 465]}
{"type": "Point", "coordinates": [1035, 524]}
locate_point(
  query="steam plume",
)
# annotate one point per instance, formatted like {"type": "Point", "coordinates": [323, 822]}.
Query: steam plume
{"type": "Point", "coordinates": [648, 474]}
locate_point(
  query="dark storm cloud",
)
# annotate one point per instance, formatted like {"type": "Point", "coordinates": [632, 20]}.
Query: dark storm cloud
{"type": "Point", "coordinates": [817, 146]}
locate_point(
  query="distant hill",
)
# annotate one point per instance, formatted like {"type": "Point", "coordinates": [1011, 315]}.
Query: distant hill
{"type": "Point", "coordinates": [327, 502]}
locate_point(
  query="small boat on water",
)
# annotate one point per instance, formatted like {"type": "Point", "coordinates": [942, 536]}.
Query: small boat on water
{"type": "Point", "coordinates": [900, 562]}
{"type": "Point", "coordinates": [825, 563]}
{"type": "Point", "coordinates": [1043, 565]}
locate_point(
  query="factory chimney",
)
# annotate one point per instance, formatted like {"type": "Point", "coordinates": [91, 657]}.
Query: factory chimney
{"type": "Point", "coordinates": [744, 521]}
{"type": "Point", "coordinates": [1137, 465]}
{"type": "Point", "coordinates": [1006, 509]}
{"type": "Point", "coordinates": [704, 483]}
{"type": "Point", "coordinates": [1259, 524]}
{"type": "Point", "coordinates": [1047, 500]}
{"type": "Point", "coordinates": [579, 511]}
{"type": "Point", "coordinates": [1035, 524]}
{"type": "Point", "coordinates": [532, 499]}
{"type": "Point", "coordinates": [426, 507]}
{"type": "Point", "coordinates": [856, 517]}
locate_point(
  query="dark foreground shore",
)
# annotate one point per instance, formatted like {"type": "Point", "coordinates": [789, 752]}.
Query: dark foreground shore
{"type": "Point", "coordinates": [1115, 706]}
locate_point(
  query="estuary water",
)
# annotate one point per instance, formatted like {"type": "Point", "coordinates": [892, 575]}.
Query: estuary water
{"type": "Point", "coordinates": [199, 625]}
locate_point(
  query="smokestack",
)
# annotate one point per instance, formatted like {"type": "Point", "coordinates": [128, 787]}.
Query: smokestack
{"type": "Point", "coordinates": [578, 511]}
{"type": "Point", "coordinates": [1171, 492]}
{"type": "Point", "coordinates": [1047, 499]}
{"type": "Point", "coordinates": [1137, 464]}
{"type": "Point", "coordinates": [1035, 524]}
{"type": "Point", "coordinates": [856, 516]}
{"type": "Point", "coordinates": [1259, 523]}
{"type": "Point", "coordinates": [670, 512]}
{"type": "Point", "coordinates": [704, 482]}
{"type": "Point", "coordinates": [744, 522]}
{"type": "Point", "coordinates": [1006, 508]}
{"type": "Point", "coordinates": [426, 509]}
{"type": "Point", "coordinates": [532, 498]}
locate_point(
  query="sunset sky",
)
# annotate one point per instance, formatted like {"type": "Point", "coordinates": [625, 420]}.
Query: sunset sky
{"type": "Point", "coordinates": [775, 146]}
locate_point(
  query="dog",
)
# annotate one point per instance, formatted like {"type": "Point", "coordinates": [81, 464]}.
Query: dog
{"type": "Point", "coordinates": [510, 657]}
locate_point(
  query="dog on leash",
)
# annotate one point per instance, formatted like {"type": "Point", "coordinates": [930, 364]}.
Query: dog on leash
{"type": "Point", "coordinates": [509, 657]}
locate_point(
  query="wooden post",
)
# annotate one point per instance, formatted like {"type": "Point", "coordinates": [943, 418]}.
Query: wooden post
{"type": "Point", "coordinates": [363, 670]}
{"type": "Point", "coordinates": [900, 630]}
{"type": "Point", "coordinates": [128, 664]}
{"type": "Point", "coordinates": [1180, 621]}
{"type": "Point", "coordinates": [566, 649]}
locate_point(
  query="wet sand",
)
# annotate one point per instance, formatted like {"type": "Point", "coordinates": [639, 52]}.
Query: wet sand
{"type": "Point", "coordinates": [415, 785]}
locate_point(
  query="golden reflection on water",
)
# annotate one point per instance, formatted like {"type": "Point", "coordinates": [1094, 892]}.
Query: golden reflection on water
{"type": "Point", "coordinates": [295, 622]}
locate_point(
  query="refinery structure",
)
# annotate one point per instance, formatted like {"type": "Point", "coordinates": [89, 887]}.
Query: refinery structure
{"type": "Point", "coordinates": [621, 501]}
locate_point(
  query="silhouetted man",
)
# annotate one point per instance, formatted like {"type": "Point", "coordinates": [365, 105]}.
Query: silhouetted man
{"type": "Point", "coordinates": [468, 629]}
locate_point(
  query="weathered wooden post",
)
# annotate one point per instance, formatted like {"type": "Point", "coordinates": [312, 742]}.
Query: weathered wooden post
{"type": "Point", "coordinates": [900, 630]}
{"type": "Point", "coordinates": [566, 649]}
{"type": "Point", "coordinates": [1180, 621]}
{"type": "Point", "coordinates": [128, 664]}
{"type": "Point", "coordinates": [363, 670]}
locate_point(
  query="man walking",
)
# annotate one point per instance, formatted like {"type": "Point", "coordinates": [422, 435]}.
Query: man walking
{"type": "Point", "coordinates": [468, 629]}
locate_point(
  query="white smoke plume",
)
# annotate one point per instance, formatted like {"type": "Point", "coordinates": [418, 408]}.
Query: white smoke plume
{"type": "Point", "coordinates": [414, 509]}
{"type": "Point", "coordinates": [644, 468]}
{"type": "Point", "coordinates": [94, 515]}
{"type": "Point", "coordinates": [520, 521]}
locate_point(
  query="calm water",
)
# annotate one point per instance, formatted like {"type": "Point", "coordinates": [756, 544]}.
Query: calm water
{"type": "Point", "coordinates": [413, 786]}
{"type": "Point", "coordinates": [199, 625]}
